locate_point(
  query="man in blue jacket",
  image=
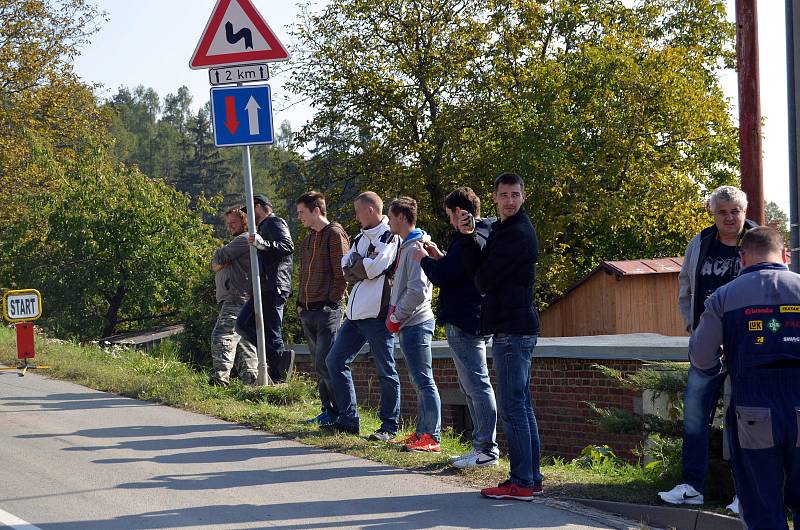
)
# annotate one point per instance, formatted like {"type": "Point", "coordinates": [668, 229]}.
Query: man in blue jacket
{"type": "Point", "coordinates": [756, 318]}
{"type": "Point", "coordinates": [505, 273]}
{"type": "Point", "coordinates": [459, 309]}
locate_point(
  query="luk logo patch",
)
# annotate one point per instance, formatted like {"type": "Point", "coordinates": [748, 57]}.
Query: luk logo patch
{"type": "Point", "coordinates": [755, 325]}
{"type": "Point", "coordinates": [773, 325]}
{"type": "Point", "coordinates": [790, 309]}
{"type": "Point", "coordinates": [759, 340]}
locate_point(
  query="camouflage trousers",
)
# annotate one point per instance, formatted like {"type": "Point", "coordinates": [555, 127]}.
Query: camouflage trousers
{"type": "Point", "coordinates": [229, 348]}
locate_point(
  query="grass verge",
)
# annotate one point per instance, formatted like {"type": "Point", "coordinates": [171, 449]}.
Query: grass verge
{"type": "Point", "coordinates": [159, 376]}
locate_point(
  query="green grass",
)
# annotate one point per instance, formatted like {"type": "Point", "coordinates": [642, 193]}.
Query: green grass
{"type": "Point", "coordinates": [160, 376]}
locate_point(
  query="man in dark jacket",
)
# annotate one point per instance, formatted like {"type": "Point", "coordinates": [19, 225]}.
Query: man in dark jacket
{"type": "Point", "coordinates": [755, 317]}
{"type": "Point", "coordinates": [275, 248]}
{"type": "Point", "coordinates": [459, 309]}
{"type": "Point", "coordinates": [505, 273]}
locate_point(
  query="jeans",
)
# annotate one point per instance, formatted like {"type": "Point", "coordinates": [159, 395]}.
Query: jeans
{"type": "Point", "coordinates": [469, 356]}
{"type": "Point", "coordinates": [349, 340]}
{"type": "Point", "coordinates": [699, 402]}
{"type": "Point", "coordinates": [511, 357]}
{"type": "Point", "coordinates": [416, 343]}
{"type": "Point", "coordinates": [319, 327]}
{"type": "Point", "coordinates": [272, 307]}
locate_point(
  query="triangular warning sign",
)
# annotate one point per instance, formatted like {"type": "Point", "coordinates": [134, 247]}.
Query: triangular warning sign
{"type": "Point", "coordinates": [236, 34]}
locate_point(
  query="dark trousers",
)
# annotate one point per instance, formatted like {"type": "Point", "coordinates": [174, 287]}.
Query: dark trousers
{"type": "Point", "coordinates": [272, 303]}
{"type": "Point", "coordinates": [320, 327]}
{"type": "Point", "coordinates": [764, 424]}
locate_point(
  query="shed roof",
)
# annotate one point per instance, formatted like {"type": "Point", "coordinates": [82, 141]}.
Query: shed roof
{"type": "Point", "coordinates": [629, 268]}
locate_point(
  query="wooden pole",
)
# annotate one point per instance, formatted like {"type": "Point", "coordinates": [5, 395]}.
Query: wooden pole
{"type": "Point", "coordinates": [749, 108]}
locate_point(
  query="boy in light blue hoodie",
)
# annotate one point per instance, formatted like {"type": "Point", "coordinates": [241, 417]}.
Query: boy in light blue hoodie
{"type": "Point", "coordinates": [411, 316]}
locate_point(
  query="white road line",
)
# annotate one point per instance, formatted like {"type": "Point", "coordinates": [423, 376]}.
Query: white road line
{"type": "Point", "coordinates": [15, 522]}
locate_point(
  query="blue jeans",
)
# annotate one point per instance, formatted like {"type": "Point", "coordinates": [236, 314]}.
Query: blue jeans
{"type": "Point", "coordinates": [511, 357]}
{"type": "Point", "coordinates": [272, 303]}
{"type": "Point", "coordinates": [699, 402]}
{"type": "Point", "coordinates": [416, 343]}
{"type": "Point", "coordinates": [319, 327]}
{"type": "Point", "coordinates": [469, 356]}
{"type": "Point", "coordinates": [351, 337]}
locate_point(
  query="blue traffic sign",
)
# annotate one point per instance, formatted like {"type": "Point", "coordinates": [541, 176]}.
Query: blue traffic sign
{"type": "Point", "coordinates": [242, 115]}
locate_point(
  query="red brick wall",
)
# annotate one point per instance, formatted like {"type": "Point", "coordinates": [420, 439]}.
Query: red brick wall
{"type": "Point", "coordinates": [560, 388]}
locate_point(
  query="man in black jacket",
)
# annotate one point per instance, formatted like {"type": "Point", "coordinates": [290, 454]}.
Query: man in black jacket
{"type": "Point", "coordinates": [459, 309]}
{"type": "Point", "coordinates": [505, 272]}
{"type": "Point", "coordinates": [275, 248]}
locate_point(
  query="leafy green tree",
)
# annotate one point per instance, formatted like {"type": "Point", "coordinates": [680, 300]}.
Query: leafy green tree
{"type": "Point", "coordinates": [110, 250]}
{"type": "Point", "coordinates": [47, 114]}
{"type": "Point", "coordinates": [611, 110]}
{"type": "Point", "coordinates": [773, 213]}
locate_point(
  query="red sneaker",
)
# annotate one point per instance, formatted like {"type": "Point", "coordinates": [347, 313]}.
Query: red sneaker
{"type": "Point", "coordinates": [425, 444]}
{"type": "Point", "coordinates": [411, 438]}
{"type": "Point", "coordinates": [509, 490]}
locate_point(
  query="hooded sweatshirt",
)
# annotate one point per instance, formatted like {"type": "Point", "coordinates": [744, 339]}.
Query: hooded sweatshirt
{"type": "Point", "coordinates": [412, 291]}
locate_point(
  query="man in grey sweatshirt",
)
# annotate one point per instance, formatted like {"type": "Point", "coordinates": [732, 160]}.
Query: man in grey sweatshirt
{"type": "Point", "coordinates": [411, 316]}
{"type": "Point", "coordinates": [231, 263]}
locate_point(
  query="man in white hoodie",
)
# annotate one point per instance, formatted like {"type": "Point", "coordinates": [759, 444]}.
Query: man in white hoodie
{"type": "Point", "coordinates": [411, 316]}
{"type": "Point", "coordinates": [367, 267]}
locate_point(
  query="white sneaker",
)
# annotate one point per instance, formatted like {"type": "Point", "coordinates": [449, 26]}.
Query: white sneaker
{"type": "Point", "coordinates": [734, 505]}
{"type": "Point", "coordinates": [681, 494]}
{"type": "Point", "coordinates": [475, 459]}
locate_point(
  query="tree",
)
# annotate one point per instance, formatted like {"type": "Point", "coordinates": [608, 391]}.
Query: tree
{"type": "Point", "coordinates": [111, 250]}
{"type": "Point", "coordinates": [773, 212]}
{"type": "Point", "coordinates": [46, 113]}
{"type": "Point", "coordinates": [610, 110]}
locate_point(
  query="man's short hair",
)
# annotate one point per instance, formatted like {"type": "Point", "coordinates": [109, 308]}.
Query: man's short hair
{"type": "Point", "coordinates": [762, 241]}
{"type": "Point", "coordinates": [311, 200]}
{"type": "Point", "coordinates": [370, 198]}
{"type": "Point", "coordinates": [509, 179]}
{"type": "Point", "coordinates": [405, 206]}
{"type": "Point", "coordinates": [238, 210]}
{"type": "Point", "coordinates": [730, 194]}
{"type": "Point", "coordinates": [463, 198]}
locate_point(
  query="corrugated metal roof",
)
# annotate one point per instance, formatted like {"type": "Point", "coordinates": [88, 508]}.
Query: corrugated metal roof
{"type": "Point", "coordinates": [643, 266]}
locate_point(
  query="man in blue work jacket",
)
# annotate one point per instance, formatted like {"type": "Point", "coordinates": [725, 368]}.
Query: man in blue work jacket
{"type": "Point", "coordinates": [756, 318]}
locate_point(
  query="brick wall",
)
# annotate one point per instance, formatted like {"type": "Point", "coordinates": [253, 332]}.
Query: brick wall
{"type": "Point", "coordinates": [560, 388]}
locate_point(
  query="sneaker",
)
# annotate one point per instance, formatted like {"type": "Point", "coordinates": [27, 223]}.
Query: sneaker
{"type": "Point", "coordinates": [381, 436]}
{"type": "Point", "coordinates": [734, 505]}
{"type": "Point", "coordinates": [321, 418]}
{"type": "Point", "coordinates": [510, 490]}
{"type": "Point", "coordinates": [681, 494]}
{"type": "Point", "coordinates": [336, 427]}
{"type": "Point", "coordinates": [410, 439]}
{"type": "Point", "coordinates": [425, 444]}
{"type": "Point", "coordinates": [280, 366]}
{"type": "Point", "coordinates": [475, 459]}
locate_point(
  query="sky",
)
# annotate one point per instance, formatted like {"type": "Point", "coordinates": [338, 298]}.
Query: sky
{"type": "Point", "coordinates": [150, 43]}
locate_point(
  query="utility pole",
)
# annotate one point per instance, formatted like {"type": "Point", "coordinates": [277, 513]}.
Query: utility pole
{"type": "Point", "coordinates": [793, 103]}
{"type": "Point", "coordinates": [749, 108]}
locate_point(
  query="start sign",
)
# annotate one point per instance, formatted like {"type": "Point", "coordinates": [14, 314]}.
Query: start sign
{"type": "Point", "coordinates": [22, 305]}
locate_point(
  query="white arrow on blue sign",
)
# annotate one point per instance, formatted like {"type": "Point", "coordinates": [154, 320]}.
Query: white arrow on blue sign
{"type": "Point", "coordinates": [242, 115]}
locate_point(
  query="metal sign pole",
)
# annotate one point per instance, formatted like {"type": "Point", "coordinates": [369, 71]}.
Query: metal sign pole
{"type": "Point", "coordinates": [263, 379]}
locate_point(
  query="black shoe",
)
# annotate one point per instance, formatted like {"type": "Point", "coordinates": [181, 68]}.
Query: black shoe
{"type": "Point", "coordinates": [337, 427]}
{"type": "Point", "coordinates": [381, 436]}
{"type": "Point", "coordinates": [281, 366]}
{"type": "Point", "coordinates": [213, 381]}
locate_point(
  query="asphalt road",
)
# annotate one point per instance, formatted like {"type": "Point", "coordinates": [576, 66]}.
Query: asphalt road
{"type": "Point", "coordinates": [74, 458]}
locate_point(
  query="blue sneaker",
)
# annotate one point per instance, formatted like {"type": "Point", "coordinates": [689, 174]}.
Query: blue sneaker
{"type": "Point", "coordinates": [323, 419]}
